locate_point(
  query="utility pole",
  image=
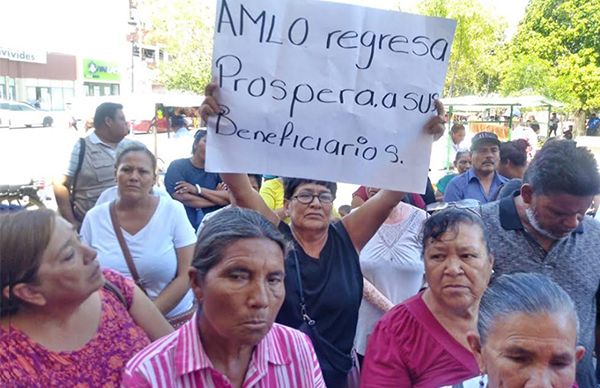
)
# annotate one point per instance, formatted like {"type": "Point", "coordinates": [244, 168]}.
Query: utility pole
{"type": "Point", "coordinates": [133, 38]}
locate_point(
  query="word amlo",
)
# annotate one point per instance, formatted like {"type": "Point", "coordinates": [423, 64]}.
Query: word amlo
{"type": "Point", "coordinates": [297, 32]}
{"type": "Point", "coordinates": [287, 137]}
{"type": "Point", "coordinates": [268, 30]}
{"type": "Point", "coordinates": [230, 66]}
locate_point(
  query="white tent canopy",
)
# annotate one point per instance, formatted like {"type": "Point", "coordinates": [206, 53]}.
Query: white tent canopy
{"type": "Point", "coordinates": [478, 103]}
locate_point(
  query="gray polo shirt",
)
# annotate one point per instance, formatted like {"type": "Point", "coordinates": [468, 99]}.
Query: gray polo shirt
{"type": "Point", "coordinates": [573, 262]}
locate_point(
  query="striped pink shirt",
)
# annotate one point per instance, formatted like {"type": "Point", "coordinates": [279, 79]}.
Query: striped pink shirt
{"type": "Point", "coordinates": [284, 358]}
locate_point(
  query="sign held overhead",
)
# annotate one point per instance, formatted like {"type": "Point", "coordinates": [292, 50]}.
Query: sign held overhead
{"type": "Point", "coordinates": [326, 91]}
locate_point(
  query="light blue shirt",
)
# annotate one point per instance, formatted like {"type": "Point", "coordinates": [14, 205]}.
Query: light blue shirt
{"type": "Point", "coordinates": [468, 186]}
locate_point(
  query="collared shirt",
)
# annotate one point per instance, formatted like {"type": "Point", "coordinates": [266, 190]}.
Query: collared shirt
{"type": "Point", "coordinates": [94, 139]}
{"type": "Point", "coordinates": [283, 358]}
{"type": "Point", "coordinates": [572, 262]}
{"type": "Point", "coordinates": [444, 152]}
{"type": "Point", "coordinates": [468, 186]}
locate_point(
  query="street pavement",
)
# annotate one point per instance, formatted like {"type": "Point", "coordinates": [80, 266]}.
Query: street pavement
{"type": "Point", "coordinates": [42, 153]}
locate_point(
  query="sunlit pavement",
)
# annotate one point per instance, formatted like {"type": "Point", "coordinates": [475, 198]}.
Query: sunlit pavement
{"type": "Point", "coordinates": [41, 153]}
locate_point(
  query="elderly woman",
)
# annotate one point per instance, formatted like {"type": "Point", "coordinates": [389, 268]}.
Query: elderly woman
{"type": "Point", "coordinates": [237, 277]}
{"type": "Point", "coordinates": [391, 265]}
{"type": "Point", "coordinates": [324, 281]}
{"type": "Point", "coordinates": [63, 321]}
{"type": "Point", "coordinates": [462, 162]}
{"type": "Point", "coordinates": [526, 334]}
{"type": "Point", "coordinates": [423, 341]}
{"type": "Point", "coordinates": [144, 236]}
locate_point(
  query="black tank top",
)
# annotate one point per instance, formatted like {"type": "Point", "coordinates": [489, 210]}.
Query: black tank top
{"type": "Point", "coordinates": [333, 286]}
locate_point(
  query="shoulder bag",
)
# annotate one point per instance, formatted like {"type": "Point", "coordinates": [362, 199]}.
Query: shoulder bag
{"type": "Point", "coordinates": [73, 184]}
{"type": "Point", "coordinates": [175, 321]}
{"type": "Point", "coordinates": [124, 248]}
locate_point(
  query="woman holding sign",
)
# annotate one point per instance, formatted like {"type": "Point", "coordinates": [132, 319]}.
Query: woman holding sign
{"type": "Point", "coordinates": [323, 278]}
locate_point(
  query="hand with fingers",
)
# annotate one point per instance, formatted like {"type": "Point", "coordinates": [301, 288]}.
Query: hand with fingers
{"type": "Point", "coordinates": [436, 125]}
{"type": "Point", "coordinates": [183, 187]}
{"type": "Point", "coordinates": [210, 105]}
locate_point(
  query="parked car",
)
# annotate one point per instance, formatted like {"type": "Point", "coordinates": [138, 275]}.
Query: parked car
{"type": "Point", "coordinates": [21, 114]}
{"type": "Point", "coordinates": [4, 114]}
{"type": "Point", "coordinates": [148, 126]}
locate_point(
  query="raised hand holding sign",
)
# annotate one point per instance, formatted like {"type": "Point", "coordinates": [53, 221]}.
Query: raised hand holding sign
{"type": "Point", "coordinates": [327, 91]}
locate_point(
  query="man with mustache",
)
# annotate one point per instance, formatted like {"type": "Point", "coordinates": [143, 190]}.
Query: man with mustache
{"type": "Point", "coordinates": [481, 181]}
{"type": "Point", "coordinates": [543, 229]}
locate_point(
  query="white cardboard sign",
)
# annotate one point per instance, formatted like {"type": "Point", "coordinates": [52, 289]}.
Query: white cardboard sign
{"type": "Point", "coordinates": [327, 91]}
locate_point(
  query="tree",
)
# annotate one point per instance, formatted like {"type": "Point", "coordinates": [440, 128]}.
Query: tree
{"type": "Point", "coordinates": [560, 40]}
{"type": "Point", "coordinates": [478, 39]}
{"type": "Point", "coordinates": [185, 29]}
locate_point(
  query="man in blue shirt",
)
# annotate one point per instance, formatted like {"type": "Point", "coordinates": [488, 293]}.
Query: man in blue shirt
{"type": "Point", "coordinates": [481, 181]}
{"type": "Point", "coordinates": [201, 192]}
{"type": "Point", "coordinates": [592, 125]}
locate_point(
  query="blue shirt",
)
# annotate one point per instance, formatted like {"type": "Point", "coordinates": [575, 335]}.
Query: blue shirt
{"type": "Point", "coordinates": [184, 170]}
{"type": "Point", "coordinates": [468, 186]}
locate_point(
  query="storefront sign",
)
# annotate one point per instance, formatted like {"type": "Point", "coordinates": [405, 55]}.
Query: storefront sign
{"type": "Point", "coordinates": [19, 55]}
{"type": "Point", "coordinates": [100, 70]}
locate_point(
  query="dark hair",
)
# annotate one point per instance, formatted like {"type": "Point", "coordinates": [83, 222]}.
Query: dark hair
{"type": "Point", "coordinates": [448, 220]}
{"type": "Point", "coordinates": [460, 154]}
{"type": "Point", "coordinates": [104, 110]}
{"type": "Point", "coordinates": [457, 127]}
{"type": "Point", "coordinates": [24, 236]}
{"type": "Point", "coordinates": [199, 135]}
{"type": "Point", "coordinates": [291, 184]}
{"type": "Point", "coordinates": [344, 208]}
{"type": "Point", "coordinates": [561, 167]}
{"type": "Point", "coordinates": [178, 121]}
{"type": "Point", "coordinates": [258, 178]}
{"type": "Point", "coordinates": [137, 148]}
{"type": "Point", "coordinates": [514, 151]}
{"type": "Point", "coordinates": [521, 293]}
{"type": "Point", "coordinates": [227, 227]}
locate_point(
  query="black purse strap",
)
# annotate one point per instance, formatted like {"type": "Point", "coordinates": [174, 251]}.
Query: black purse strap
{"type": "Point", "coordinates": [320, 344]}
{"type": "Point", "coordinates": [305, 317]}
{"type": "Point", "coordinates": [111, 287]}
{"type": "Point", "coordinates": [77, 171]}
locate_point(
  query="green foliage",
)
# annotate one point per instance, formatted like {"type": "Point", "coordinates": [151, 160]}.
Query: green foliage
{"type": "Point", "coordinates": [478, 40]}
{"type": "Point", "coordinates": [185, 29]}
{"type": "Point", "coordinates": [556, 52]}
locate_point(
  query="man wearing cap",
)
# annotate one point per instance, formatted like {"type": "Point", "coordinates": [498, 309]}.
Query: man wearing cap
{"type": "Point", "coordinates": [201, 192]}
{"type": "Point", "coordinates": [481, 181]}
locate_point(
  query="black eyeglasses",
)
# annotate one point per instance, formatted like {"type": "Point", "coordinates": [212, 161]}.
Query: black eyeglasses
{"type": "Point", "coordinates": [307, 198]}
{"type": "Point", "coordinates": [472, 205]}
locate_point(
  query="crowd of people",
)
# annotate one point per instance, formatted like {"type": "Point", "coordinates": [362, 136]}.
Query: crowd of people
{"type": "Point", "coordinates": [237, 280]}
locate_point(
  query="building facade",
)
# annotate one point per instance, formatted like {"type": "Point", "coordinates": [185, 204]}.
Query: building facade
{"type": "Point", "coordinates": [43, 79]}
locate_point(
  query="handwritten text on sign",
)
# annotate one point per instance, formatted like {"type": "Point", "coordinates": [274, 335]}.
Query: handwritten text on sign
{"type": "Point", "coordinates": [327, 91]}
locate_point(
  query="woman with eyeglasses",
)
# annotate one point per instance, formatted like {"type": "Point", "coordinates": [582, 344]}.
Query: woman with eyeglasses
{"type": "Point", "coordinates": [422, 342]}
{"type": "Point", "coordinates": [323, 280]}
